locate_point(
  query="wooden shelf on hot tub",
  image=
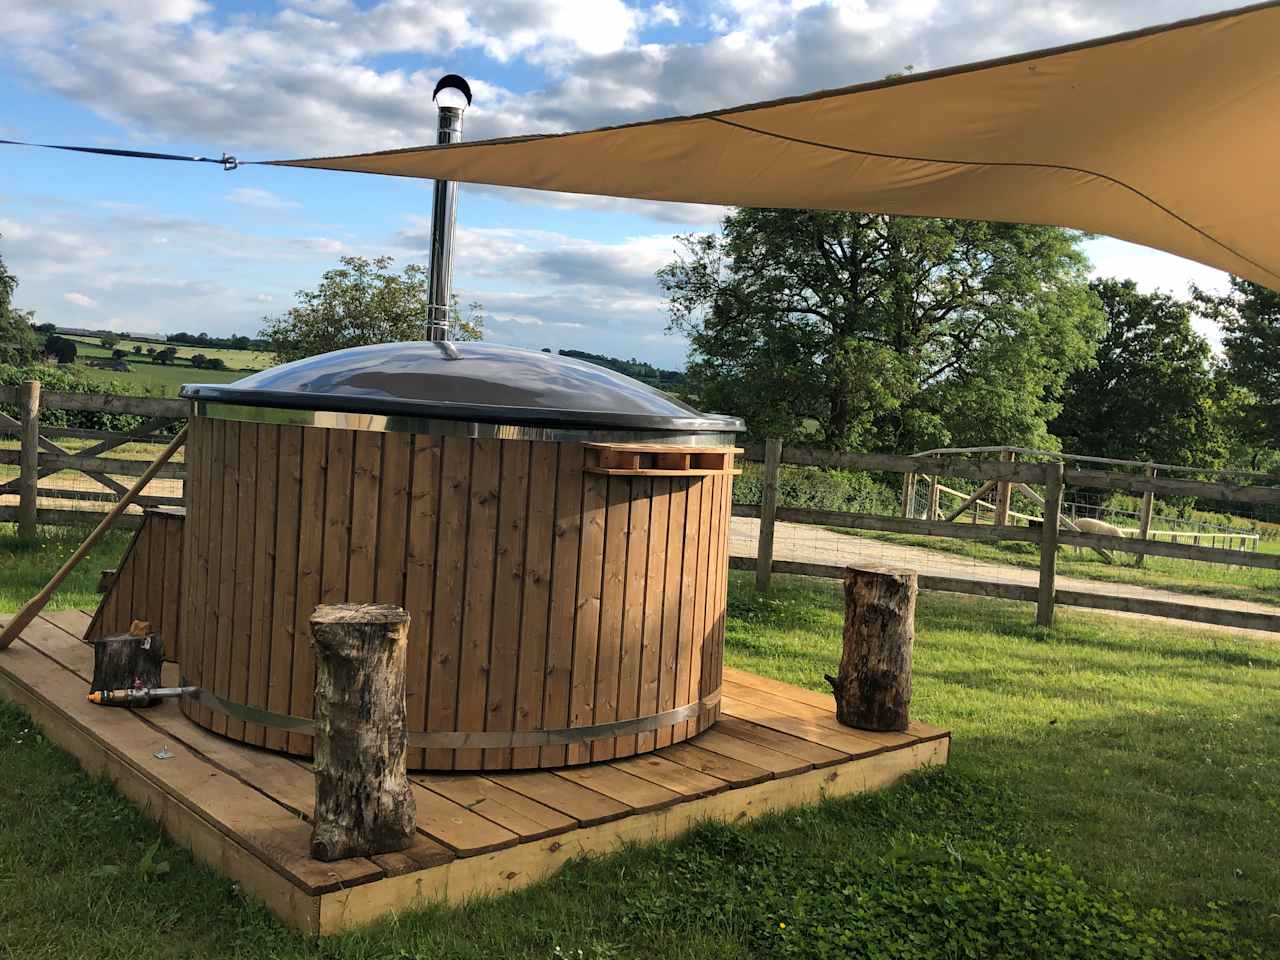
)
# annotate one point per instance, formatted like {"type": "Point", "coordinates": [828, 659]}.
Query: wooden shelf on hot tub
{"type": "Point", "coordinates": [659, 460]}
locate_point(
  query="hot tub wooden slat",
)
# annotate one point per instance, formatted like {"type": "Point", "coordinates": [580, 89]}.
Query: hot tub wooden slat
{"type": "Point", "coordinates": [688, 596]}
{"type": "Point", "coordinates": [446, 628]}
{"type": "Point", "coordinates": [314, 466]}
{"type": "Point", "coordinates": [242, 618]}
{"type": "Point", "coordinates": [393, 518]}
{"type": "Point", "coordinates": [536, 597]}
{"type": "Point", "coordinates": [365, 496]}
{"type": "Point", "coordinates": [229, 530]}
{"type": "Point", "coordinates": [586, 629]}
{"type": "Point", "coordinates": [285, 581]}
{"type": "Point", "coordinates": [673, 589]}
{"type": "Point", "coordinates": [508, 588]}
{"type": "Point", "coordinates": [477, 592]}
{"type": "Point", "coordinates": [420, 581]}
{"type": "Point", "coordinates": [266, 452]}
{"type": "Point", "coordinates": [564, 578]}
{"type": "Point", "coordinates": [632, 651]}
{"type": "Point", "coordinates": [651, 622]}
{"type": "Point", "coordinates": [612, 587]}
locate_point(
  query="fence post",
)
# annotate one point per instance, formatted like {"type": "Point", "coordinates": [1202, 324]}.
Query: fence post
{"type": "Point", "coordinates": [29, 458]}
{"type": "Point", "coordinates": [933, 498]}
{"type": "Point", "coordinates": [1049, 542]}
{"type": "Point", "coordinates": [1004, 491]}
{"type": "Point", "coordinates": [1144, 518]}
{"type": "Point", "coordinates": [908, 494]}
{"type": "Point", "coordinates": [768, 511]}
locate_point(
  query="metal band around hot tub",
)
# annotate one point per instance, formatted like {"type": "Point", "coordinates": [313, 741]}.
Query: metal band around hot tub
{"type": "Point", "coordinates": [457, 740]}
{"type": "Point", "coordinates": [431, 426]}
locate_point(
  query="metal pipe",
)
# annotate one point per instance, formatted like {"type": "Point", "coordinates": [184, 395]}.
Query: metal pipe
{"type": "Point", "coordinates": [444, 206]}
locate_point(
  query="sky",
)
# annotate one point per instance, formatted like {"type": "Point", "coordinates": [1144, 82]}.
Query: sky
{"type": "Point", "coordinates": [146, 246]}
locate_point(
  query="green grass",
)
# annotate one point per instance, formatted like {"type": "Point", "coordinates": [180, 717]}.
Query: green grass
{"type": "Point", "coordinates": [1113, 792]}
{"type": "Point", "coordinates": [235, 359]}
{"type": "Point", "coordinates": [1163, 573]}
{"type": "Point", "coordinates": [159, 379]}
{"type": "Point", "coordinates": [25, 566]}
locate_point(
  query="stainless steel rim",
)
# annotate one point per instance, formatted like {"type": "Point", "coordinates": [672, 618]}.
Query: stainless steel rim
{"type": "Point", "coordinates": [457, 739]}
{"type": "Point", "coordinates": [388, 423]}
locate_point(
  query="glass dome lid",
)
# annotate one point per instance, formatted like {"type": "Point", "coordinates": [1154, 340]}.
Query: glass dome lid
{"type": "Point", "coordinates": [471, 381]}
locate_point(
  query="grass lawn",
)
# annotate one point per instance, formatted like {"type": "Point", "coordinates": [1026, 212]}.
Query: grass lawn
{"type": "Point", "coordinates": [1114, 792]}
{"type": "Point", "coordinates": [1164, 573]}
{"type": "Point", "coordinates": [158, 380]}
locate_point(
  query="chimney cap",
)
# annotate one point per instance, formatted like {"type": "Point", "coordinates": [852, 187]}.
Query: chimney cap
{"type": "Point", "coordinates": [451, 81]}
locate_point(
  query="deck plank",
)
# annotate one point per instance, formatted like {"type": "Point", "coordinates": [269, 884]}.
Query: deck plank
{"type": "Point", "coordinates": [744, 728]}
{"type": "Point", "coordinates": [695, 755]}
{"type": "Point", "coordinates": [462, 831]}
{"type": "Point", "coordinates": [815, 698]}
{"type": "Point", "coordinates": [724, 744]}
{"type": "Point", "coordinates": [636, 792]}
{"type": "Point", "coordinates": [488, 797]}
{"type": "Point", "coordinates": [582, 803]}
{"type": "Point", "coordinates": [819, 718]}
{"type": "Point", "coordinates": [670, 775]}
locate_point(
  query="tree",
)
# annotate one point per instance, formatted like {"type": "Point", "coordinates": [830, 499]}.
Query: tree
{"type": "Point", "coordinates": [44, 327]}
{"type": "Point", "coordinates": [883, 332]}
{"type": "Point", "coordinates": [361, 302]}
{"type": "Point", "coordinates": [137, 349]}
{"type": "Point", "coordinates": [1150, 393]}
{"type": "Point", "coordinates": [118, 354]}
{"type": "Point", "coordinates": [109, 341]}
{"type": "Point", "coordinates": [166, 356]}
{"type": "Point", "coordinates": [198, 360]}
{"type": "Point", "coordinates": [61, 349]}
{"type": "Point", "coordinates": [1249, 315]}
{"type": "Point", "coordinates": [19, 345]}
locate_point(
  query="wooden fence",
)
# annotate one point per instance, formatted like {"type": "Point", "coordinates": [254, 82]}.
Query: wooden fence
{"type": "Point", "coordinates": [40, 458]}
{"type": "Point", "coordinates": [1002, 477]}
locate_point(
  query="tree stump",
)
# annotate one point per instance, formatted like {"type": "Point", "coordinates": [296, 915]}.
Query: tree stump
{"type": "Point", "coordinates": [128, 661]}
{"type": "Point", "coordinates": [364, 805]}
{"type": "Point", "coordinates": [873, 690]}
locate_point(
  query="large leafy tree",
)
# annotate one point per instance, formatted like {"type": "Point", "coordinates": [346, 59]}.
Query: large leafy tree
{"type": "Point", "coordinates": [1249, 315]}
{"type": "Point", "coordinates": [18, 343]}
{"type": "Point", "coordinates": [878, 332]}
{"type": "Point", "coordinates": [362, 301]}
{"type": "Point", "coordinates": [1150, 393]}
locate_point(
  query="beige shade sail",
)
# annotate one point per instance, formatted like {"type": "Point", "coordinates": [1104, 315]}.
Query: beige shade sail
{"type": "Point", "coordinates": [1168, 137]}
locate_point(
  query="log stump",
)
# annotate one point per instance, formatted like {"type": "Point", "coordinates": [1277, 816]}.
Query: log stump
{"type": "Point", "coordinates": [128, 661]}
{"type": "Point", "coordinates": [873, 690]}
{"type": "Point", "coordinates": [364, 804]}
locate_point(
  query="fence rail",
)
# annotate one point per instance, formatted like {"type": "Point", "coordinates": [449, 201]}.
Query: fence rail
{"type": "Point", "coordinates": [1049, 532]}
{"type": "Point", "coordinates": [40, 457]}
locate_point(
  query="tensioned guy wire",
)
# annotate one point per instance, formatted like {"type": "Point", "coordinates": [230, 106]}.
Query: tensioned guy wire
{"type": "Point", "coordinates": [227, 161]}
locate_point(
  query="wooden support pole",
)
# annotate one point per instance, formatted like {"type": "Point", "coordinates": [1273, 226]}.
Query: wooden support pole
{"type": "Point", "coordinates": [1144, 518]}
{"type": "Point", "coordinates": [933, 498]}
{"type": "Point", "coordinates": [37, 603]}
{"type": "Point", "coordinates": [873, 690]}
{"type": "Point", "coordinates": [768, 514]}
{"type": "Point", "coordinates": [1045, 598]}
{"type": "Point", "coordinates": [364, 805]}
{"type": "Point", "coordinates": [29, 458]}
{"type": "Point", "coordinates": [1004, 490]}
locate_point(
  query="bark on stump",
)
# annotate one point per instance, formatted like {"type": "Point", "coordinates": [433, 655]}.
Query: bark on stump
{"type": "Point", "coordinates": [873, 690]}
{"type": "Point", "coordinates": [364, 805]}
{"type": "Point", "coordinates": [128, 661]}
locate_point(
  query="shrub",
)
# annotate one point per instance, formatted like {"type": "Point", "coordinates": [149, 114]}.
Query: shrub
{"type": "Point", "coordinates": [70, 380]}
{"type": "Point", "coordinates": [816, 488]}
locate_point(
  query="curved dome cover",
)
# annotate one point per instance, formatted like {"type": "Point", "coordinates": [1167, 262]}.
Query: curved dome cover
{"type": "Point", "coordinates": [485, 382]}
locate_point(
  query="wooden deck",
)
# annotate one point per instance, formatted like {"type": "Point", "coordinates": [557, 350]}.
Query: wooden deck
{"type": "Point", "coordinates": [243, 810]}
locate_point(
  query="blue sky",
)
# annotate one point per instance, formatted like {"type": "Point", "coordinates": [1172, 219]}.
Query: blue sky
{"type": "Point", "coordinates": [160, 247]}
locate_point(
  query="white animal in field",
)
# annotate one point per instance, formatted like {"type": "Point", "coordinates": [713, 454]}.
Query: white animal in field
{"type": "Point", "coordinates": [1089, 525]}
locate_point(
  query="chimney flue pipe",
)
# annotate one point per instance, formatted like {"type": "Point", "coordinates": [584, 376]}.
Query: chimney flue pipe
{"type": "Point", "coordinates": [452, 96]}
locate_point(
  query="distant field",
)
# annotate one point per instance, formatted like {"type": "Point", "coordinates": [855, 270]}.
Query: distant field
{"type": "Point", "coordinates": [91, 348]}
{"type": "Point", "coordinates": [160, 379]}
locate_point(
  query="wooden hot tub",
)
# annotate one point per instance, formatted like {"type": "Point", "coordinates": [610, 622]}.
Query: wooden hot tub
{"type": "Point", "coordinates": [557, 532]}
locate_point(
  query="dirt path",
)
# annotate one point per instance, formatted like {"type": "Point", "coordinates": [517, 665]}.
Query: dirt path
{"type": "Point", "coordinates": [813, 544]}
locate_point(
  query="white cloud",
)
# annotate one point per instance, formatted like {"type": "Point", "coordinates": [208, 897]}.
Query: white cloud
{"type": "Point", "coordinates": [80, 300]}
{"type": "Point", "coordinates": [262, 199]}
